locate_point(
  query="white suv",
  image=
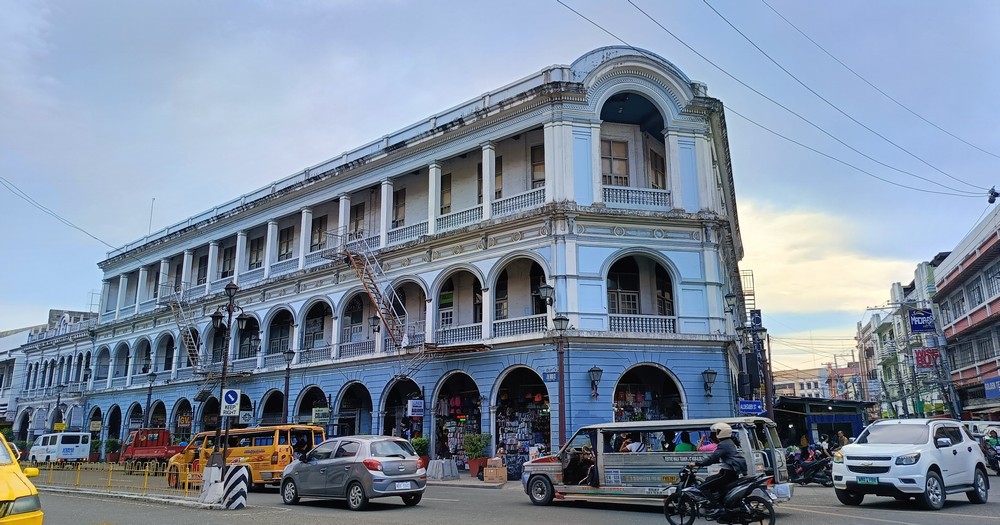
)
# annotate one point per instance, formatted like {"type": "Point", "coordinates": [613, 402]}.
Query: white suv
{"type": "Point", "coordinates": [904, 458]}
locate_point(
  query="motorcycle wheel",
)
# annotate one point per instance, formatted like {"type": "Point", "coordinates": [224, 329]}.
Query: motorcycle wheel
{"type": "Point", "coordinates": [679, 510]}
{"type": "Point", "coordinates": [828, 483]}
{"type": "Point", "coordinates": [760, 511]}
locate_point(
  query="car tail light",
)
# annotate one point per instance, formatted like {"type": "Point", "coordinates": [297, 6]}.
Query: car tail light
{"type": "Point", "coordinates": [274, 458]}
{"type": "Point", "coordinates": [421, 463]}
{"type": "Point", "coordinates": [372, 464]}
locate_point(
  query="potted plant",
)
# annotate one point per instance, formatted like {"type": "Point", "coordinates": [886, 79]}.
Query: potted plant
{"type": "Point", "coordinates": [95, 450]}
{"type": "Point", "coordinates": [475, 446]}
{"type": "Point", "coordinates": [421, 446]}
{"type": "Point", "coordinates": [111, 449]}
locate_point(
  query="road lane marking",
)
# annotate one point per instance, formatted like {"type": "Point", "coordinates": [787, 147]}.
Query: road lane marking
{"type": "Point", "coordinates": [804, 509]}
{"type": "Point", "coordinates": [441, 499]}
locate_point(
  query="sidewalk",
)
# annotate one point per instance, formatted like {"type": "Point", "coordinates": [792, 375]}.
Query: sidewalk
{"type": "Point", "coordinates": [470, 482]}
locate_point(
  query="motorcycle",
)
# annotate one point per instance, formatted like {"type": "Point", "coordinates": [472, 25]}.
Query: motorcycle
{"type": "Point", "coordinates": [745, 501]}
{"type": "Point", "coordinates": [816, 471]}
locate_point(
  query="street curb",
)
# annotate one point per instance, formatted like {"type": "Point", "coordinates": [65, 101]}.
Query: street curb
{"type": "Point", "coordinates": [135, 497]}
{"type": "Point", "coordinates": [456, 483]}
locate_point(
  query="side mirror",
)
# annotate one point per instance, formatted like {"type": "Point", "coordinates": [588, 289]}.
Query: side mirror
{"type": "Point", "coordinates": [31, 472]}
{"type": "Point", "coordinates": [942, 442]}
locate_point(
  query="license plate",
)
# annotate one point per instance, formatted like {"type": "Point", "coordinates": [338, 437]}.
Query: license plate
{"type": "Point", "coordinates": [403, 485]}
{"type": "Point", "coordinates": [867, 480]}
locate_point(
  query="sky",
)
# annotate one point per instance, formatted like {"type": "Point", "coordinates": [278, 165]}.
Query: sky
{"type": "Point", "coordinates": [126, 117]}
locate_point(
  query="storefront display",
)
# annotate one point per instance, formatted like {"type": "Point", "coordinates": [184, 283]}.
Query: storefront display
{"type": "Point", "coordinates": [522, 423]}
{"type": "Point", "coordinates": [456, 415]}
{"type": "Point", "coordinates": [641, 402]}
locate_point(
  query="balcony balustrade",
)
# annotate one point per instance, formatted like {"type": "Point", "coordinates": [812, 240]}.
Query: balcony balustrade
{"type": "Point", "coordinates": [286, 266]}
{"type": "Point", "coordinates": [643, 324]}
{"type": "Point", "coordinates": [641, 198]}
{"type": "Point", "coordinates": [407, 233]}
{"type": "Point", "coordinates": [454, 221]}
{"type": "Point", "coordinates": [520, 325]}
{"type": "Point", "coordinates": [460, 334]}
{"type": "Point", "coordinates": [252, 277]}
{"type": "Point", "coordinates": [349, 350]}
{"type": "Point", "coordinates": [522, 201]}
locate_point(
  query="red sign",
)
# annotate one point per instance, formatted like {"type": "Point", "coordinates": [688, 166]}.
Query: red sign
{"type": "Point", "coordinates": [927, 358]}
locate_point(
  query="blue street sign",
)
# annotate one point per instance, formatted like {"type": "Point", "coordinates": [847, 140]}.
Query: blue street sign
{"type": "Point", "coordinates": [751, 406]}
{"type": "Point", "coordinates": [232, 396]}
{"type": "Point", "coordinates": [992, 388]}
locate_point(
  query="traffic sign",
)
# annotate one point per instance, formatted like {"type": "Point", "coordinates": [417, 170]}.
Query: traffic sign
{"type": "Point", "coordinates": [246, 417]}
{"type": "Point", "coordinates": [751, 406]}
{"type": "Point", "coordinates": [231, 403]}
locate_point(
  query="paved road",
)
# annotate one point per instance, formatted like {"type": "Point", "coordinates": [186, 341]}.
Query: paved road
{"type": "Point", "coordinates": [474, 506]}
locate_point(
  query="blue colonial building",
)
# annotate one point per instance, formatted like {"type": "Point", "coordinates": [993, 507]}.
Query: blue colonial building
{"type": "Point", "coordinates": [554, 253]}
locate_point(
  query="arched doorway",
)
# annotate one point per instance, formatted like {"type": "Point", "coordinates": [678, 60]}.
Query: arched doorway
{"type": "Point", "coordinates": [458, 411]}
{"type": "Point", "coordinates": [312, 397]}
{"type": "Point", "coordinates": [522, 417]}
{"type": "Point", "coordinates": [95, 421]}
{"type": "Point", "coordinates": [273, 406]}
{"type": "Point", "coordinates": [647, 392]}
{"type": "Point", "coordinates": [23, 424]}
{"type": "Point", "coordinates": [57, 416]}
{"type": "Point", "coordinates": [114, 422]}
{"type": "Point", "coordinates": [135, 417]}
{"type": "Point", "coordinates": [395, 422]}
{"type": "Point", "coordinates": [210, 414]}
{"type": "Point", "coordinates": [354, 413]}
{"type": "Point", "coordinates": [182, 419]}
{"type": "Point", "coordinates": [158, 415]}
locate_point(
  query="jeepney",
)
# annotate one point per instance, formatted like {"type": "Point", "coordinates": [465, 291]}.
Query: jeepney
{"type": "Point", "coordinates": [592, 464]}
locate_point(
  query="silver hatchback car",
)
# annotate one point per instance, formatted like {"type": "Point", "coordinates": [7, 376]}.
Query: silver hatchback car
{"type": "Point", "coordinates": [356, 468]}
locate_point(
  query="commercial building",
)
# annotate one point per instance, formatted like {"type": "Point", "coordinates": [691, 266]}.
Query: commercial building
{"type": "Point", "coordinates": [551, 254]}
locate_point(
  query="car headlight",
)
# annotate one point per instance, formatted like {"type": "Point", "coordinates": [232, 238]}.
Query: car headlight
{"type": "Point", "coordinates": [25, 504]}
{"type": "Point", "coordinates": [908, 459]}
{"type": "Point", "coordinates": [838, 457]}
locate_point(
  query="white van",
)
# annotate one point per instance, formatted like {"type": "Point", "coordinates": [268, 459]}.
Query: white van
{"type": "Point", "coordinates": [60, 448]}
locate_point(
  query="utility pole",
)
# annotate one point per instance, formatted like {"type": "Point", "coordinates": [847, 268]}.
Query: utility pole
{"type": "Point", "coordinates": [912, 361]}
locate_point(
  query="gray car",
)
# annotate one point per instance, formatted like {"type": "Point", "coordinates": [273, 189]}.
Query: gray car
{"type": "Point", "coordinates": [356, 468]}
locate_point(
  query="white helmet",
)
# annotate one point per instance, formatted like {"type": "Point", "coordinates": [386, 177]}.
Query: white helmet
{"type": "Point", "coordinates": [722, 430]}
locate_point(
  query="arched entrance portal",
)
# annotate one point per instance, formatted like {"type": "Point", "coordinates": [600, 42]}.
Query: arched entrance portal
{"type": "Point", "coordinates": [457, 412]}
{"type": "Point", "coordinates": [210, 414]}
{"type": "Point", "coordinates": [273, 405]}
{"type": "Point", "coordinates": [115, 423]}
{"type": "Point", "coordinates": [23, 425]}
{"type": "Point", "coordinates": [522, 418]}
{"type": "Point", "coordinates": [647, 392]}
{"type": "Point", "coordinates": [182, 420]}
{"type": "Point", "coordinates": [395, 422]}
{"type": "Point", "coordinates": [354, 414]}
{"type": "Point", "coordinates": [95, 421]}
{"type": "Point", "coordinates": [312, 397]}
{"type": "Point", "coordinates": [158, 415]}
{"type": "Point", "coordinates": [135, 417]}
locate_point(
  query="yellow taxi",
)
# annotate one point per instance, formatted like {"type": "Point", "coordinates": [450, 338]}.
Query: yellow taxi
{"type": "Point", "coordinates": [19, 503]}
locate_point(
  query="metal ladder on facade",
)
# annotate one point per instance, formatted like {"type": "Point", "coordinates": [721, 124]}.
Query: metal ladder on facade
{"type": "Point", "coordinates": [354, 248]}
{"type": "Point", "coordinates": [174, 298]}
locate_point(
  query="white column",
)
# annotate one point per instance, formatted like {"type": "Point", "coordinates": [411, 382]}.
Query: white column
{"type": "Point", "coordinates": [213, 265]}
{"type": "Point", "coordinates": [343, 217]}
{"type": "Point", "coordinates": [429, 321]}
{"type": "Point", "coordinates": [161, 284]}
{"type": "Point", "coordinates": [234, 343]}
{"type": "Point", "coordinates": [487, 312]}
{"type": "Point", "coordinates": [296, 344]}
{"type": "Point", "coordinates": [270, 246]}
{"type": "Point", "coordinates": [122, 285]}
{"type": "Point", "coordinates": [489, 177]}
{"type": "Point", "coordinates": [186, 265]}
{"type": "Point", "coordinates": [140, 292]}
{"type": "Point", "coordinates": [305, 235]}
{"type": "Point", "coordinates": [549, 141]}
{"type": "Point", "coordinates": [105, 296]}
{"type": "Point", "coordinates": [241, 255]}
{"type": "Point", "coordinates": [385, 214]}
{"type": "Point", "coordinates": [673, 169]}
{"type": "Point", "coordinates": [710, 199]}
{"type": "Point", "coordinates": [180, 356]}
{"type": "Point", "coordinates": [595, 163]}
{"type": "Point", "coordinates": [433, 196]}
{"type": "Point", "coordinates": [131, 365]}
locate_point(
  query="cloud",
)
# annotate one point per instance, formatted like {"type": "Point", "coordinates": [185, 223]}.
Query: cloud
{"type": "Point", "coordinates": [807, 261]}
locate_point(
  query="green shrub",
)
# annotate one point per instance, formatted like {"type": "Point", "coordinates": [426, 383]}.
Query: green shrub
{"type": "Point", "coordinates": [421, 445]}
{"type": "Point", "coordinates": [476, 445]}
{"type": "Point", "coordinates": [112, 445]}
{"type": "Point", "coordinates": [95, 445]}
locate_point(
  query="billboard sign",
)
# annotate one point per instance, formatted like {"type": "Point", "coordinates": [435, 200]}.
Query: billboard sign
{"type": "Point", "coordinates": [992, 388]}
{"type": "Point", "coordinates": [927, 359]}
{"type": "Point", "coordinates": [922, 321]}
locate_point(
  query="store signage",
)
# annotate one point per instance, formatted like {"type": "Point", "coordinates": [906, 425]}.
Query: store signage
{"type": "Point", "coordinates": [321, 415]}
{"type": "Point", "coordinates": [992, 388]}
{"type": "Point", "coordinates": [231, 403]}
{"type": "Point", "coordinates": [922, 321]}
{"type": "Point", "coordinates": [95, 426]}
{"type": "Point", "coordinates": [184, 421]}
{"type": "Point", "coordinates": [550, 377]}
{"type": "Point", "coordinates": [59, 427]}
{"type": "Point", "coordinates": [415, 408]}
{"type": "Point", "coordinates": [751, 406]}
{"type": "Point", "coordinates": [926, 359]}
{"type": "Point", "coordinates": [755, 320]}
{"type": "Point", "coordinates": [246, 417]}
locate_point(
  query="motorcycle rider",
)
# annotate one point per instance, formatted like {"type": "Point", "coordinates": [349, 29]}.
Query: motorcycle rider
{"type": "Point", "coordinates": [733, 466]}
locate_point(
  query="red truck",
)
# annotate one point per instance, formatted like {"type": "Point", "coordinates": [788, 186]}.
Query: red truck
{"type": "Point", "coordinates": [150, 446]}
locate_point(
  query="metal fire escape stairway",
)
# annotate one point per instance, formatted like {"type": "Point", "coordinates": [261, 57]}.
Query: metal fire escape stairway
{"type": "Point", "coordinates": [174, 298]}
{"type": "Point", "coordinates": [388, 306]}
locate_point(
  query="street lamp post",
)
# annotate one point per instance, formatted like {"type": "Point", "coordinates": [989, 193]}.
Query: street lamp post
{"type": "Point", "coordinates": [289, 355]}
{"type": "Point", "coordinates": [217, 459]}
{"type": "Point", "coordinates": [151, 378]}
{"type": "Point", "coordinates": [59, 391]}
{"type": "Point", "coordinates": [560, 323]}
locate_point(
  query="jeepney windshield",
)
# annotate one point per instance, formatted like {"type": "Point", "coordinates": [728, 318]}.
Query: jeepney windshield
{"type": "Point", "coordinates": [582, 439]}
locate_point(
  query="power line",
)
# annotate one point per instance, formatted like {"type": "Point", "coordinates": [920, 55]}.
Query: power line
{"type": "Point", "coordinates": [876, 88]}
{"type": "Point", "coordinates": [836, 107]}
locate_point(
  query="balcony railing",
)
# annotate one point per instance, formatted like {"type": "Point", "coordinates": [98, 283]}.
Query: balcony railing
{"type": "Point", "coordinates": [286, 266]}
{"type": "Point", "coordinates": [251, 277]}
{"type": "Point", "coordinates": [348, 350]}
{"type": "Point", "coordinates": [522, 201]}
{"type": "Point", "coordinates": [243, 365]}
{"type": "Point", "coordinates": [414, 336]}
{"type": "Point", "coordinates": [644, 324]}
{"type": "Point", "coordinates": [147, 306]}
{"type": "Point", "coordinates": [219, 285]}
{"type": "Point", "coordinates": [454, 221]}
{"type": "Point", "coordinates": [185, 373]}
{"type": "Point", "coordinates": [317, 354]}
{"type": "Point", "coordinates": [520, 325]}
{"type": "Point", "coordinates": [407, 233]}
{"type": "Point", "coordinates": [460, 334]}
{"type": "Point", "coordinates": [69, 328]}
{"type": "Point", "coordinates": [315, 259]}
{"type": "Point", "coordinates": [370, 238]}
{"type": "Point", "coordinates": [645, 198]}
{"type": "Point", "coordinates": [118, 382]}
